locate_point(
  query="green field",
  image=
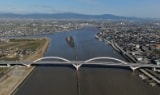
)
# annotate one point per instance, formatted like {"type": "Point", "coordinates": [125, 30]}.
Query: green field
{"type": "Point", "coordinates": [21, 40]}
{"type": "Point", "coordinates": [30, 45]}
{"type": "Point", "coordinates": [33, 45]}
{"type": "Point", "coordinates": [10, 59]}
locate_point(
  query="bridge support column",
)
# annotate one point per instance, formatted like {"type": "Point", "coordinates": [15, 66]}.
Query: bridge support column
{"type": "Point", "coordinates": [8, 65]}
{"type": "Point", "coordinates": [134, 68]}
{"type": "Point", "coordinates": [27, 65]}
{"type": "Point", "coordinates": [77, 66]}
{"type": "Point", "coordinates": [154, 69]}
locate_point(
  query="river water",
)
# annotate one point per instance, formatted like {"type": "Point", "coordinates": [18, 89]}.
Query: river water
{"type": "Point", "coordinates": [89, 80]}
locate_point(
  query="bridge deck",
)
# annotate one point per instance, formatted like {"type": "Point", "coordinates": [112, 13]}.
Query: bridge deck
{"type": "Point", "coordinates": [80, 63]}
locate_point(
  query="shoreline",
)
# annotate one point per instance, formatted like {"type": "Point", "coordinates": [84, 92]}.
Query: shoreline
{"type": "Point", "coordinates": [13, 80]}
{"type": "Point", "coordinates": [128, 57]}
{"type": "Point", "coordinates": [117, 48]}
{"type": "Point", "coordinates": [40, 52]}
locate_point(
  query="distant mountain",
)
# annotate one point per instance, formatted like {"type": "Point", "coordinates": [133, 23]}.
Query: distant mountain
{"type": "Point", "coordinates": [63, 16]}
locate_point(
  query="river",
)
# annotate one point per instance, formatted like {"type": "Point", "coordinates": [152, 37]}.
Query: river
{"type": "Point", "coordinates": [92, 80]}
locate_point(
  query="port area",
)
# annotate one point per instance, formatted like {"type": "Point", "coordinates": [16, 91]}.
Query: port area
{"type": "Point", "coordinates": [148, 75]}
{"type": "Point", "coordinates": [12, 77]}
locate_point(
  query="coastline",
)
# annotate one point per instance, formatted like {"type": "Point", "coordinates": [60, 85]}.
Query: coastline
{"type": "Point", "coordinates": [18, 74]}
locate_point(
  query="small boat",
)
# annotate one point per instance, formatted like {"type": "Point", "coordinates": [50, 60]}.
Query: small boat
{"type": "Point", "coordinates": [70, 41]}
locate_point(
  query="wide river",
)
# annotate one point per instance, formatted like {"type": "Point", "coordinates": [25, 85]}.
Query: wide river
{"type": "Point", "coordinates": [89, 80]}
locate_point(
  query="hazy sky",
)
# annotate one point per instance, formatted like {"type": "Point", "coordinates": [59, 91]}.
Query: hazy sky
{"type": "Point", "coordinates": [137, 8]}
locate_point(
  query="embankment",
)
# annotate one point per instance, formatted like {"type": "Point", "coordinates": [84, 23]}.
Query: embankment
{"type": "Point", "coordinates": [40, 52]}
{"type": "Point", "coordinates": [19, 73]}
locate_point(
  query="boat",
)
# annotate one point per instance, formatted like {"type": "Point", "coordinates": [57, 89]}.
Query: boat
{"type": "Point", "coordinates": [70, 41]}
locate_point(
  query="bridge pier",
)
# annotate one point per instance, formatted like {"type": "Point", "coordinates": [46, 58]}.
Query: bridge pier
{"type": "Point", "coordinates": [154, 69]}
{"type": "Point", "coordinates": [8, 65]}
{"type": "Point", "coordinates": [77, 66]}
{"type": "Point", "coordinates": [134, 68]}
{"type": "Point", "coordinates": [27, 65]}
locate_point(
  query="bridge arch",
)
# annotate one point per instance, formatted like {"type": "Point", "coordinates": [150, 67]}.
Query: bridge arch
{"type": "Point", "coordinates": [77, 66]}
{"type": "Point", "coordinates": [51, 57]}
{"type": "Point", "coordinates": [110, 58]}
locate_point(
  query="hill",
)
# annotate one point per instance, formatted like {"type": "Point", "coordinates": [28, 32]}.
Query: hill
{"type": "Point", "coordinates": [63, 16]}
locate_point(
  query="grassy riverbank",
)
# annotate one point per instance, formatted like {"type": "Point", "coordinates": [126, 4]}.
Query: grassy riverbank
{"type": "Point", "coordinates": [12, 79]}
{"type": "Point", "coordinates": [40, 49]}
{"type": "Point", "coordinates": [20, 49]}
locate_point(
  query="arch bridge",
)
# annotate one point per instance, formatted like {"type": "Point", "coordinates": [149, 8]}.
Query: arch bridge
{"type": "Point", "coordinates": [78, 64]}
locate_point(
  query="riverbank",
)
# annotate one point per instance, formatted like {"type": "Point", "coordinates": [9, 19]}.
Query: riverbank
{"type": "Point", "coordinates": [149, 73]}
{"type": "Point", "coordinates": [40, 52]}
{"type": "Point", "coordinates": [118, 49]}
{"type": "Point", "coordinates": [129, 57]}
{"type": "Point", "coordinates": [16, 76]}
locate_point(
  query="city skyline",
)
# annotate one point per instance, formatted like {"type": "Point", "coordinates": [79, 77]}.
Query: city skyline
{"type": "Point", "coordinates": [135, 8]}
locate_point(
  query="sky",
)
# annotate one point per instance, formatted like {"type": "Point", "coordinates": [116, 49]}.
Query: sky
{"type": "Point", "coordinates": [134, 8]}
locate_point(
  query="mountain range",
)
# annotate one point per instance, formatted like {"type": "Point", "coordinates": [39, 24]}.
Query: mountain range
{"type": "Point", "coordinates": [65, 16]}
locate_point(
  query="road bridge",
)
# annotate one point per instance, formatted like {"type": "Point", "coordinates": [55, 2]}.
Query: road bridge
{"type": "Point", "coordinates": [78, 64]}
